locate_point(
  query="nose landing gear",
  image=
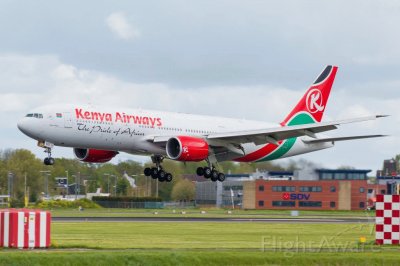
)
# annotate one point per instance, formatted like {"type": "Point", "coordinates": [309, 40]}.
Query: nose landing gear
{"type": "Point", "coordinates": [49, 161]}
{"type": "Point", "coordinates": [47, 149]}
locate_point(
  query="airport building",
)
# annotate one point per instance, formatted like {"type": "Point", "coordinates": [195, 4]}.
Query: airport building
{"type": "Point", "coordinates": [389, 176]}
{"type": "Point", "coordinates": [306, 195]}
{"type": "Point", "coordinates": [220, 194]}
{"type": "Point", "coordinates": [318, 189]}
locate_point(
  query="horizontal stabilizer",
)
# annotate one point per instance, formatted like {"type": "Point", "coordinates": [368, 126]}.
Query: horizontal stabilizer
{"type": "Point", "coordinates": [342, 138]}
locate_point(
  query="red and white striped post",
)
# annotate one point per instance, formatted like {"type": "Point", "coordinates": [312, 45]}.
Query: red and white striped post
{"type": "Point", "coordinates": [23, 228]}
{"type": "Point", "coordinates": [387, 228]}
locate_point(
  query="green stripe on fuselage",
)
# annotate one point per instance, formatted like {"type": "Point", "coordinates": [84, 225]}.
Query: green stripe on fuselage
{"type": "Point", "coordinates": [299, 119]}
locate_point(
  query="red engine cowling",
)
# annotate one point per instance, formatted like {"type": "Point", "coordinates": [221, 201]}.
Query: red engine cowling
{"type": "Point", "coordinates": [185, 148]}
{"type": "Point", "coordinates": [94, 156]}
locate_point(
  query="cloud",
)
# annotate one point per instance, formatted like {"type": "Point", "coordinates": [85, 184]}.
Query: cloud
{"type": "Point", "coordinates": [119, 25]}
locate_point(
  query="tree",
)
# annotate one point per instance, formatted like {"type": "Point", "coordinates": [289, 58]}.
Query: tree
{"type": "Point", "coordinates": [177, 170]}
{"type": "Point", "coordinates": [130, 167]}
{"type": "Point", "coordinates": [122, 187]}
{"type": "Point", "coordinates": [23, 163]}
{"type": "Point", "coordinates": [183, 190]}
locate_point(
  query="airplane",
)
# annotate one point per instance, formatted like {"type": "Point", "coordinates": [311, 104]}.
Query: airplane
{"type": "Point", "coordinates": [98, 134]}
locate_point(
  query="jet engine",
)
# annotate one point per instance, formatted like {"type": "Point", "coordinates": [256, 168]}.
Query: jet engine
{"type": "Point", "coordinates": [188, 149]}
{"type": "Point", "coordinates": [94, 156]}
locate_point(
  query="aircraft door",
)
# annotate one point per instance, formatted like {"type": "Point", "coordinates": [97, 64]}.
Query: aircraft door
{"type": "Point", "coordinates": [67, 120]}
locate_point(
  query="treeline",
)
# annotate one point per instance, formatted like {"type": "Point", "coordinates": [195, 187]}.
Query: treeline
{"type": "Point", "coordinates": [41, 179]}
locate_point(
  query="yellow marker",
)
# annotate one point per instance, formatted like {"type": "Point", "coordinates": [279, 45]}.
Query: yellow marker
{"type": "Point", "coordinates": [26, 201]}
{"type": "Point", "coordinates": [363, 239]}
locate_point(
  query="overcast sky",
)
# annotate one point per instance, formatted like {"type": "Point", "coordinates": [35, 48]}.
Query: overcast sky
{"type": "Point", "coordinates": [247, 59]}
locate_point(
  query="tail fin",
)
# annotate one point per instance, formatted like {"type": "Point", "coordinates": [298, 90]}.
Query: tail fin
{"type": "Point", "coordinates": [314, 101]}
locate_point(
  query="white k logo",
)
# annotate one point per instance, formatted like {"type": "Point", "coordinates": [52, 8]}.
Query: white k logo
{"type": "Point", "coordinates": [314, 101]}
{"type": "Point", "coordinates": [185, 149]}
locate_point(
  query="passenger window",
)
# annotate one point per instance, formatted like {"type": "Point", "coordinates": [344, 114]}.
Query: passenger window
{"type": "Point", "coordinates": [29, 115]}
{"type": "Point", "coordinates": [36, 115]}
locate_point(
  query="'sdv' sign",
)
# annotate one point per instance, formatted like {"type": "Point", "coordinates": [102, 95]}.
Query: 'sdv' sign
{"type": "Point", "coordinates": [295, 196]}
{"type": "Point", "coordinates": [299, 196]}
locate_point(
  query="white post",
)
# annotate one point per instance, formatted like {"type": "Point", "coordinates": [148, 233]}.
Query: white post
{"type": "Point", "coordinates": [233, 204]}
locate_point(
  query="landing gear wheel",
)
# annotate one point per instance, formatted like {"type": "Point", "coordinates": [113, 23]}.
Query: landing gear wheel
{"type": "Point", "coordinates": [168, 177]}
{"type": "Point", "coordinates": [200, 171]}
{"type": "Point", "coordinates": [47, 149]}
{"type": "Point", "coordinates": [147, 171]}
{"type": "Point", "coordinates": [161, 179]}
{"type": "Point", "coordinates": [162, 174]}
{"type": "Point", "coordinates": [221, 177]}
{"type": "Point", "coordinates": [207, 172]}
{"type": "Point", "coordinates": [214, 175]}
{"type": "Point", "coordinates": [48, 161]}
{"type": "Point", "coordinates": [154, 173]}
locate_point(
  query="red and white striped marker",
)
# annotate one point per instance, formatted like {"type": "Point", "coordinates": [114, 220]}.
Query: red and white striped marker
{"type": "Point", "coordinates": [387, 228]}
{"type": "Point", "coordinates": [23, 228]}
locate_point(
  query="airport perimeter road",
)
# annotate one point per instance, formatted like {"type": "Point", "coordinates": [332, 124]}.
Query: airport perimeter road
{"type": "Point", "coordinates": [205, 219]}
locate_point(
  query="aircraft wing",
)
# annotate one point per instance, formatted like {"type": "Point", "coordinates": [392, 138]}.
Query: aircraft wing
{"type": "Point", "coordinates": [273, 135]}
{"type": "Point", "coordinates": [232, 140]}
{"type": "Point", "coordinates": [341, 138]}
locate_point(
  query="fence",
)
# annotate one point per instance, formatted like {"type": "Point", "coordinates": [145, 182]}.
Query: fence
{"type": "Point", "coordinates": [146, 204]}
{"type": "Point", "coordinates": [131, 205]}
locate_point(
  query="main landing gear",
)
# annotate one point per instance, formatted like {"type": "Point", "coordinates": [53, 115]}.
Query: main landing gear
{"type": "Point", "coordinates": [210, 172]}
{"type": "Point", "coordinates": [158, 172]}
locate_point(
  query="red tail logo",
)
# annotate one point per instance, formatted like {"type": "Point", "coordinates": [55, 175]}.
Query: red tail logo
{"type": "Point", "coordinates": [315, 99]}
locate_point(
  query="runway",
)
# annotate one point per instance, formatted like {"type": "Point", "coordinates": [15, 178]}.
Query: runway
{"type": "Point", "coordinates": [207, 219]}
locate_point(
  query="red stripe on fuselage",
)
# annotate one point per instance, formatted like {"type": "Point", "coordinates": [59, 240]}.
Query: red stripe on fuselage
{"type": "Point", "coordinates": [258, 154]}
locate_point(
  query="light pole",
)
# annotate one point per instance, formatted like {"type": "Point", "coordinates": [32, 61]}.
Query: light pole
{"type": "Point", "coordinates": [156, 187]}
{"type": "Point", "coordinates": [77, 180]}
{"type": "Point", "coordinates": [115, 184]}
{"type": "Point", "coordinates": [25, 197]}
{"type": "Point", "coordinates": [46, 182]}
{"type": "Point", "coordinates": [67, 182]}
{"type": "Point", "coordinates": [10, 184]}
{"type": "Point", "coordinates": [108, 182]}
{"type": "Point", "coordinates": [79, 183]}
{"type": "Point", "coordinates": [74, 176]}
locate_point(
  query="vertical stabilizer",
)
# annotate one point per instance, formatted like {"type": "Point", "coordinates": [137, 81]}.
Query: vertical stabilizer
{"type": "Point", "coordinates": [314, 100]}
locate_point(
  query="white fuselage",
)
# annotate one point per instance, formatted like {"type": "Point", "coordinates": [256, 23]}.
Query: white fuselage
{"type": "Point", "coordinates": [132, 130]}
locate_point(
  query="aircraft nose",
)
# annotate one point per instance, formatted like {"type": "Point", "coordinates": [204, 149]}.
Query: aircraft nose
{"type": "Point", "coordinates": [25, 126]}
{"type": "Point", "coordinates": [21, 124]}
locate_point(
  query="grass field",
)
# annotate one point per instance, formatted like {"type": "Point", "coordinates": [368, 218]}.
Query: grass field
{"type": "Point", "coordinates": [206, 235]}
{"type": "Point", "coordinates": [207, 243]}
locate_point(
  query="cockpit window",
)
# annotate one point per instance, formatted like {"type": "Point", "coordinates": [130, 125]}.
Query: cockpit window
{"type": "Point", "coordinates": [36, 115]}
